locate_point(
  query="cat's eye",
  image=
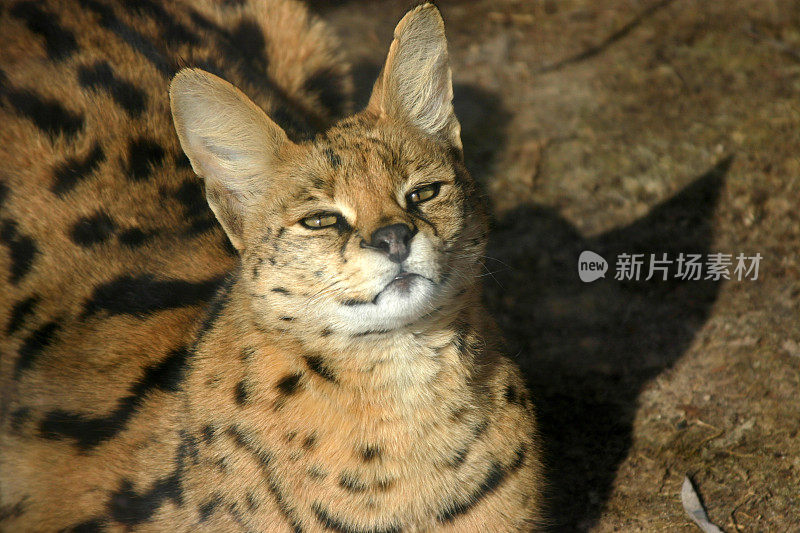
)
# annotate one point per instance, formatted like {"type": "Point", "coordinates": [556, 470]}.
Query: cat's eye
{"type": "Point", "coordinates": [320, 220]}
{"type": "Point", "coordinates": [423, 194]}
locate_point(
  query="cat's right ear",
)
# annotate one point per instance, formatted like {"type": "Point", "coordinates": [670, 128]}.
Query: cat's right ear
{"type": "Point", "coordinates": [230, 141]}
{"type": "Point", "coordinates": [415, 85]}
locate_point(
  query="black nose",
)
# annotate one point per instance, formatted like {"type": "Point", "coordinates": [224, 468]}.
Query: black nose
{"type": "Point", "coordinates": [394, 241]}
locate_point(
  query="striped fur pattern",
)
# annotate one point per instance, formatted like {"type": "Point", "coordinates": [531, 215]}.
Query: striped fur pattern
{"type": "Point", "coordinates": [184, 354]}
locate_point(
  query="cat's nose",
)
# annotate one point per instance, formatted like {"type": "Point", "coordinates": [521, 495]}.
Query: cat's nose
{"type": "Point", "coordinates": [394, 241]}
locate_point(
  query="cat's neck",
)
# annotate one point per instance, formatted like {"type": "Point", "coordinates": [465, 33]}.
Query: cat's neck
{"type": "Point", "coordinates": [397, 370]}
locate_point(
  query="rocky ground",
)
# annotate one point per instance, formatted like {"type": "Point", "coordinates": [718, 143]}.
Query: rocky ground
{"type": "Point", "coordinates": [637, 126]}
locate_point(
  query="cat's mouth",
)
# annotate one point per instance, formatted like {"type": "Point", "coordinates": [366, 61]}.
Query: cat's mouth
{"type": "Point", "coordinates": [402, 284]}
{"type": "Point", "coordinates": [403, 299]}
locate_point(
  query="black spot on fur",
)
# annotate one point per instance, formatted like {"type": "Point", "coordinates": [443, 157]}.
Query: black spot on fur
{"type": "Point", "coordinates": [208, 433]}
{"type": "Point", "coordinates": [190, 445]}
{"type": "Point", "coordinates": [241, 393]}
{"type": "Point", "coordinates": [327, 85]}
{"type": "Point", "coordinates": [370, 452]}
{"type": "Point", "coordinates": [352, 302]}
{"type": "Point", "coordinates": [143, 294]}
{"type": "Point", "coordinates": [349, 482]}
{"type": "Point", "coordinates": [23, 250]}
{"type": "Point", "coordinates": [88, 431]}
{"type": "Point", "coordinates": [325, 332]}
{"type": "Point", "coordinates": [202, 225]}
{"type": "Point", "coordinates": [249, 43]}
{"type": "Point", "coordinates": [47, 114]}
{"type": "Point", "coordinates": [91, 230]}
{"type": "Point", "coordinates": [3, 193]}
{"type": "Point", "coordinates": [496, 475]}
{"type": "Point", "coordinates": [281, 290]}
{"type": "Point", "coordinates": [257, 267]}
{"type": "Point", "coordinates": [316, 473]}
{"type": "Point", "coordinates": [458, 458]}
{"type": "Point", "coordinates": [265, 459]}
{"type": "Point", "coordinates": [288, 384]}
{"type": "Point", "coordinates": [216, 307]}
{"type": "Point", "coordinates": [20, 312]}
{"type": "Point", "coordinates": [287, 318]}
{"type": "Point", "coordinates": [130, 36]}
{"type": "Point", "coordinates": [208, 508]}
{"type": "Point", "coordinates": [13, 510]}
{"type": "Point", "coordinates": [130, 508]}
{"type": "Point", "coordinates": [182, 161]}
{"type": "Point", "coordinates": [251, 501]}
{"type": "Point", "coordinates": [310, 442]}
{"type": "Point", "coordinates": [512, 395]}
{"type": "Point", "coordinates": [33, 345]}
{"type": "Point", "coordinates": [370, 332]}
{"type": "Point", "coordinates": [100, 76]}
{"type": "Point", "coordinates": [69, 173]}
{"type": "Point", "coordinates": [339, 526]}
{"type": "Point", "coordinates": [19, 417]}
{"type": "Point", "coordinates": [190, 195]}
{"type": "Point", "coordinates": [143, 156]}
{"type": "Point", "coordinates": [173, 31]}
{"type": "Point", "coordinates": [59, 42]}
{"type": "Point", "coordinates": [317, 365]}
{"type": "Point", "coordinates": [135, 237]}
{"type": "Point", "coordinates": [334, 160]}
{"type": "Point", "coordinates": [480, 430]}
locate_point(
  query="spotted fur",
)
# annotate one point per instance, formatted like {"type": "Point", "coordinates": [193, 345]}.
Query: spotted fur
{"type": "Point", "coordinates": [166, 369]}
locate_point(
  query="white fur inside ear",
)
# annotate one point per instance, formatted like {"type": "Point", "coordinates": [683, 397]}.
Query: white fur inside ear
{"type": "Point", "coordinates": [416, 82]}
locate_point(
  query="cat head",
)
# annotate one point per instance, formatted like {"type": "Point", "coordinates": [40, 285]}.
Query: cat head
{"type": "Point", "coordinates": [372, 225]}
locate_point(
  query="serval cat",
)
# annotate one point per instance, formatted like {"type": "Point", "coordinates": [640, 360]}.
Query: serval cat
{"type": "Point", "coordinates": [310, 353]}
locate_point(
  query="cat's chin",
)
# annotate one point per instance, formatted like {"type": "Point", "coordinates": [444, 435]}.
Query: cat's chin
{"type": "Point", "coordinates": [404, 300]}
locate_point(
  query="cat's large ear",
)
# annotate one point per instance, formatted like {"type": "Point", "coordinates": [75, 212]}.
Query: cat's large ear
{"type": "Point", "coordinates": [415, 84]}
{"type": "Point", "coordinates": [229, 140]}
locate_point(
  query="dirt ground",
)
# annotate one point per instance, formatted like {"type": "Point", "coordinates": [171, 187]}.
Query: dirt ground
{"type": "Point", "coordinates": [637, 126]}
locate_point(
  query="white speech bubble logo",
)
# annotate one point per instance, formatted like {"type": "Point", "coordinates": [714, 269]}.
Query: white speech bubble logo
{"type": "Point", "coordinates": [591, 266]}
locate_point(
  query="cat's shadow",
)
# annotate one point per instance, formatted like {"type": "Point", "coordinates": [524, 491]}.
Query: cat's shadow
{"type": "Point", "coordinates": [587, 349]}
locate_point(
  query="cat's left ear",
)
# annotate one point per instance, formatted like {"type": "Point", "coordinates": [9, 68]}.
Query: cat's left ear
{"type": "Point", "coordinates": [415, 85]}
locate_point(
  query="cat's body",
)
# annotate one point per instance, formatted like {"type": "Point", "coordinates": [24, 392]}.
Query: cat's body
{"type": "Point", "coordinates": [338, 377]}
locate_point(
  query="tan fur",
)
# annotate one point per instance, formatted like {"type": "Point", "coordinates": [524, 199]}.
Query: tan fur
{"type": "Point", "coordinates": [154, 379]}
